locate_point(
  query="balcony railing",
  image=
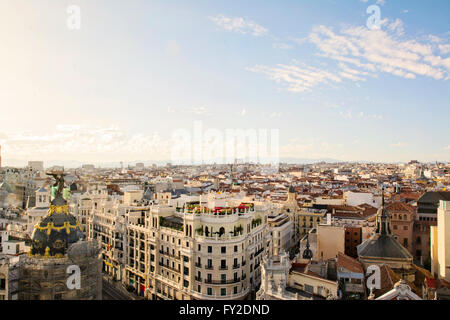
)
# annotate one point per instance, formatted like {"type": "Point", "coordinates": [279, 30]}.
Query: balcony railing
{"type": "Point", "coordinates": [168, 267]}
{"type": "Point", "coordinates": [230, 281]}
{"type": "Point", "coordinates": [208, 267]}
{"type": "Point", "coordinates": [236, 266]}
{"type": "Point", "coordinates": [223, 268]}
{"type": "Point", "coordinates": [259, 251]}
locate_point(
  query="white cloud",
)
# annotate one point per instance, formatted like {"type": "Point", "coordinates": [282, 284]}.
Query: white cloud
{"type": "Point", "coordinates": [444, 48]}
{"type": "Point", "coordinates": [373, 51]}
{"type": "Point", "coordinates": [360, 115]}
{"type": "Point", "coordinates": [296, 78]}
{"type": "Point", "coordinates": [361, 53]}
{"type": "Point", "coordinates": [68, 142]}
{"type": "Point", "coordinates": [239, 25]}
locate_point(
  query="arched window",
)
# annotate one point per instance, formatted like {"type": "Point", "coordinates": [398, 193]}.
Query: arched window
{"type": "Point", "coordinates": [221, 231]}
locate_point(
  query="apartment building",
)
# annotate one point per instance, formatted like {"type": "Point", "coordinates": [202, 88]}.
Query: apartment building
{"type": "Point", "coordinates": [309, 219]}
{"type": "Point", "coordinates": [188, 252]}
{"type": "Point", "coordinates": [206, 252]}
{"type": "Point", "coordinates": [282, 230]}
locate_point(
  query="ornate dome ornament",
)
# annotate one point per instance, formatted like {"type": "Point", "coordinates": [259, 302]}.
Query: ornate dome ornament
{"type": "Point", "coordinates": [53, 235]}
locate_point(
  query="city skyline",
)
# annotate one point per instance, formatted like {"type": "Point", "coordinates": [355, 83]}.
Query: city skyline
{"type": "Point", "coordinates": [119, 87]}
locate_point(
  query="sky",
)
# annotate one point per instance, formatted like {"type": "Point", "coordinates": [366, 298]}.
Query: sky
{"type": "Point", "coordinates": [120, 80]}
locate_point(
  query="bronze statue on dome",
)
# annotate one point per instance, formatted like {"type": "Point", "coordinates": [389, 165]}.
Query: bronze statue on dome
{"type": "Point", "coordinates": [59, 182]}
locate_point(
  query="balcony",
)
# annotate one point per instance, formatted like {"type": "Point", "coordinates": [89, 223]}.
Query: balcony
{"type": "Point", "coordinates": [198, 279]}
{"type": "Point", "coordinates": [230, 281]}
{"type": "Point", "coordinates": [236, 266]}
{"type": "Point", "coordinates": [234, 296]}
{"type": "Point", "coordinates": [170, 268]}
{"type": "Point", "coordinates": [259, 251]}
{"type": "Point", "coordinates": [223, 268]}
{"type": "Point", "coordinates": [170, 255]}
{"type": "Point", "coordinates": [208, 267]}
{"type": "Point", "coordinates": [198, 265]}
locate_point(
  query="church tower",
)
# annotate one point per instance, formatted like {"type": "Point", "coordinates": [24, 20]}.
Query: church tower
{"type": "Point", "coordinates": [383, 247]}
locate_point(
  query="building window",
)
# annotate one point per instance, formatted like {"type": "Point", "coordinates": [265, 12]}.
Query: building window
{"type": "Point", "coordinates": [235, 248]}
{"type": "Point", "coordinates": [405, 227]}
{"type": "Point", "coordinates": [209, 290]}
{"type": "Point", "coordinates": [223, 249]}
{"type": "Point", "coordinates": [223, 291]}
{"type": "Point", "coordinates": [209, 249]}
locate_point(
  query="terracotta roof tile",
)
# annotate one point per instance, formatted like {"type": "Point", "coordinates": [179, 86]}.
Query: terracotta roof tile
{"type": "Point", "coordinates": [349, 263]}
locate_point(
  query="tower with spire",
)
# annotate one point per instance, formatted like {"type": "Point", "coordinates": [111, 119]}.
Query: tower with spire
{"type": "Point", "coordinates": [382, 248]}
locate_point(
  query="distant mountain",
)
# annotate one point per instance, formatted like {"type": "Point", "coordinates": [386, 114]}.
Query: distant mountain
{"type": "Point", "coordinates": [308, 161]}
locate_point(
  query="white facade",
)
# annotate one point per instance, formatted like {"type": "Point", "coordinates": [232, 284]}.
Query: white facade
{"type": "Point", "coordinates": [355, 199]}
{"type": "Point", "coordinates": [440, 242]}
